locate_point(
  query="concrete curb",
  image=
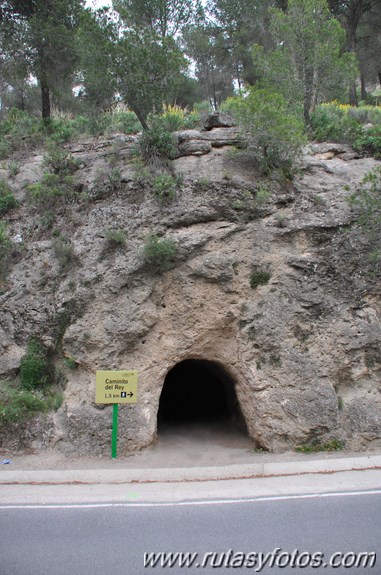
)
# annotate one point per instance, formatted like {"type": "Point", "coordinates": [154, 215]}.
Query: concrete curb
{"type": "Point", "coordinates": [187, 474]}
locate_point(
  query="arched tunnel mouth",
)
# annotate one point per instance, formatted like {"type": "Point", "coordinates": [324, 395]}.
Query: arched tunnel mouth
{"type": "Point", "coordinates": [198, 392]}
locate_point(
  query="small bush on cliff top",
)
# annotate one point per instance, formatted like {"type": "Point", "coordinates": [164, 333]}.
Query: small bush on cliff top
{"type": "Point", "coordinates": [36, 368]}
{"type": "Point", "coordinates": [7, 199]}
{"type": "Point", "coordinates": [160, 253]}
{"type": "Point", "coordinates": [157, 144]}
{"type": "Point", "coordinates": [275, 135]}
{"type": "Point", "coordinates": [259, 278]}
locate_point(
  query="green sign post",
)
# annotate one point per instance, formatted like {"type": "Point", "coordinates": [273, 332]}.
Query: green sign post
{"type": "Point", "coordinates": [116, 387]}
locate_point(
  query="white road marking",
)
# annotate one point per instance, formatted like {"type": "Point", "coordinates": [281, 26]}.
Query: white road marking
{"type": "Point", "coordinates": [193, 503]}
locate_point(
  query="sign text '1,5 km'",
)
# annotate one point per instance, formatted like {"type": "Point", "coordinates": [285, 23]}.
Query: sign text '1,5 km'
{"type": "Point", "coordinates": [116, 386]}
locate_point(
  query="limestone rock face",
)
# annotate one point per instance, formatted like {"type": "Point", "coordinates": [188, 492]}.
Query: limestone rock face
{"type": "Point", "coordinates": [279, 294]}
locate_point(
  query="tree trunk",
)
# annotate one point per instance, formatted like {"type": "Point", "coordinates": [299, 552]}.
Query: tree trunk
{"type": "Point", "coordinates": [363, 87]}
{"type": "Point", "coordinates": [140, 117]}
{"type": "Point", "coordinates": [352, 95]}
{"type": "Point", "coordinates": [45, 100]}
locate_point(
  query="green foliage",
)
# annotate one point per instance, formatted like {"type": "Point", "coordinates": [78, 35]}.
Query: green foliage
{"type": "Point", "coordinates": [19, 129]}
{"type": "Point", "coordinates": [331, 122]}
{"type": "Point", "coordinates": [64, 252]}
{"type": "Point", "coordinates": [369, 142]}
{"type": "Point", "coordinates": [39, 39]}
{"type": "Point", "coordinates": [331, 445]}
{"type": "Point", "coordinates": [164, 187]}
{"type": "Point", "coordinates": [275, 360]}
{"type": "Point", "coordinates": [160, 253]}
{"type": "Point", "coordinates": [366, 201]}
{"type": "Point", "coordinates": [165, 17]}
{"type": "Point", "coordinates": [259, 278]}
{"type": "Point", "coordinates": [18, 404]}
{"type": "Point", "coordinates": [157, 144]}
{"type": "Point", "coordinates": [71, 363]}
{"type": "Point", "coordinates": [44, 195]}
{"type": "Point", "coordinates": [174, 118]}
{"type": "Point", "coordinates": [149, 69]}
{"type": "Point", "coordinates": [342, 123]}
{"type": "Point", "coordinates": [57, 187]}
{"type": "Point", "coordinates": [308, 64]}
{"type": "Point", "coordinates": [7, 199]}
{"type": "Point", "coordinates": [36, 367]}
{"type": "Point", "coordinates": [6, 249]}
{"type": "Point", "coordinates": [115, 238]}
{"type": "Point", "coordinates": [13, 169]}
{"type": "Point", "coordinates": [59, 161]}
{"type": "Point", "coordinates": [276, 135]}
{"type": "Point", "coordinates": [5, 149]}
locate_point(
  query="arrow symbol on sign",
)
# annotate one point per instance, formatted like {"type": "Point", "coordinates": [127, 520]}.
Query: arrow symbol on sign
{"type": "Point", "coordinates": [130, 394]}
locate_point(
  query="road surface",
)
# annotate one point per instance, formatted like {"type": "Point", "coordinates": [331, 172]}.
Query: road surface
{"type": "Point", "coordinates": [225, 536]}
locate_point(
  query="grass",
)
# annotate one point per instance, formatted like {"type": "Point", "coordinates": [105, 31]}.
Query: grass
{"type": "Point", "coordinates": [18, 404]}
{"type": "Point", "coordinates": [331, 445]}
{"type": "Point", "coordinates": [115, 238]}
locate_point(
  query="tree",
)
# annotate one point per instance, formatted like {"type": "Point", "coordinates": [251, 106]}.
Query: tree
{"type": "Point", "coordinates": [243, 23]}
{"type": "Point", "coordinates": [308, 64]}
{"type": "Point", "coordinates": [164, 17]}
{"type": "Point", "coordinates": [213, 66]}
{"type": "Point", "coordinates": [46, 31]}
{"type": "Point", "coordinates": [352, 13]}
{"type": "Point", "coordinates": [96, 46]}
{"type": "Point", "coordinates": [149, 70]}
{"type": "Point", "coordinates": [275, 134]}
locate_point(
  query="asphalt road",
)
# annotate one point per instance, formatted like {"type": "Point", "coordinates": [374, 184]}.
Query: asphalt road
{"type": "Point", "coordinates": [112, 539]}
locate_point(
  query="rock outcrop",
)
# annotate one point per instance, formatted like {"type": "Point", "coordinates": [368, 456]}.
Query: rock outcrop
{"type": "Point", "coordinates": [302, 344]}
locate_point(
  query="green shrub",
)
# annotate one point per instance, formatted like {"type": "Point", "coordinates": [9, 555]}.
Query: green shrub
{"type": "Point", "coordinates": [157, 143]}
{"type": "Point", "coordinates": [331, 122]}
{"type": "Point", "coordinates": [7, 199]}
{"type": "Point", "coordinates": [275, 134]}
{"type": "Point", "coordinates": [20, 128]}
{"type": "Point", "coordinates": [115, 238]}
{"type": "Point", "coordinates": [367, 203]}
{"type": "Point", "coordinates": [36, 368]}
{"type": "Point", "coordinates": [369, 142]}
{"type": "Point", "coordinates": [259, 278]}
{"type": "Point", "coordinates": [60, 130]}
{"type": "Point", "coordinates": [122, 121]}
{"type": "Point", "coordinates": [160, 253]}
{"type": "Point", "coordinates": [13, 169]}
{"type": "Point", "coordinates": [171, 120]}
{"type": "Point", "coordinates": [18, 404]}
{"type": "Point", "coordinates": [5, 149]}
{"type": "Point", "coordinates": [44, 195]}
{"type": "Point", "coordinates": [59, 161]}
{"type": "Point", "coordinates": [64, 252]}
{"type": "Point", "coordinates": [164, 187]}
{"type": "Point", "coordinates": [71, 363]}
{"type": "Point", "coordinates": [6, 249]}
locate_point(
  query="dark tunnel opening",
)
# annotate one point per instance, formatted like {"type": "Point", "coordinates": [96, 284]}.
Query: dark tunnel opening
{"type": "Point", "coordinates": [198, 391]}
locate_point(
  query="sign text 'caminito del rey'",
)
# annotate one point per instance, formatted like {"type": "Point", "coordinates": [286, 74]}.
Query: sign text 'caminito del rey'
{"type": "Point", "coordinates": [116, 386]}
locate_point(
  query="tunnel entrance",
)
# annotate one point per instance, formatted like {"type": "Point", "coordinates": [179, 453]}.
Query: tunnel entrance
{"type": "Point", "coordinates": [199, 392]}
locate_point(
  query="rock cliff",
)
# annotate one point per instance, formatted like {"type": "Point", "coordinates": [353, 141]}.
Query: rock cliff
{"type": "Point", "coordinates": [270, 283]}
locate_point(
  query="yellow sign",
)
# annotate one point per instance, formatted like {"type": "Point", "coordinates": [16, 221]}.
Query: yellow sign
{"type": "Point", "coordinates": [116, 386]}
